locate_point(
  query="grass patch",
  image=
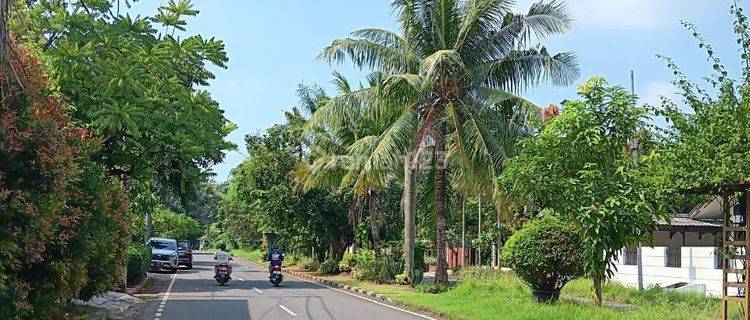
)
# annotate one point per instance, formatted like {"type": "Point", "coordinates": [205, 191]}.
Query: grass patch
{"type": "Point", "coordinates": [252, 255]}
{"type": "Point", "coordinates": [501, 295]}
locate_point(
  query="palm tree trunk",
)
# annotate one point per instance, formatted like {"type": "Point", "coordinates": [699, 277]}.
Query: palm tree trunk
{"type": "Point", "coordinates": [409, 218]}
{"type": "Point", "coordinates": [479, 233]}
{"type": "Point", "coordinates": [463, 230]}
{"type": "Point", "coordinates": [441, 273]}
{"type": "Point", "coordinates": [374, 225]}
{"type": "Point", "coordinates": [496, 243]}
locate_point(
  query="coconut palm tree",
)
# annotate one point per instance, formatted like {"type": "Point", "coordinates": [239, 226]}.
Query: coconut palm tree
{"type": "Point", "coordinates": [345, 148]}
{"type": "Point", "coordinates": [459, 58]}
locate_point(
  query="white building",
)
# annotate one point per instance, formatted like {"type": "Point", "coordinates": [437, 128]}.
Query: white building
{"type": "Point", "coordinates": [685, 253]}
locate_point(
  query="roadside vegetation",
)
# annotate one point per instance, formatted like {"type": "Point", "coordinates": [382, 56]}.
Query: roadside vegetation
{"type": "Point", "coordinates": [108, 136]}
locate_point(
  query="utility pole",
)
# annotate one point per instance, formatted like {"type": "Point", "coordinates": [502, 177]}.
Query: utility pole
{"type": "Point", "coordinates": [634, 147]}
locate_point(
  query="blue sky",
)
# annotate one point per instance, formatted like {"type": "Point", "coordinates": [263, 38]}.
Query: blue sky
{"type": "Point", "coordinates": [273, 45]}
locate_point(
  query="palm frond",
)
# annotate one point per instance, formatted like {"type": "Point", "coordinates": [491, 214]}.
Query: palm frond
{"type": "Point", "coordinates": [525, 68]}
{"type": "Point", "coordinates": [365, 53]}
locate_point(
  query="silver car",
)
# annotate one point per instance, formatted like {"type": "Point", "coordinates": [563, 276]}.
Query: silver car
{"type": "Point", "coordinates": [163, 254]}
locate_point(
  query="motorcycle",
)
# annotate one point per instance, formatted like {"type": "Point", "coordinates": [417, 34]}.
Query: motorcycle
{"type": "Point", "coordinates": [223, 274]}
{"type": "Point", "coordinates": [276, 275]}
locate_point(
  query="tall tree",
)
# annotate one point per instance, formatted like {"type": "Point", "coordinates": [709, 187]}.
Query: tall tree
{"type": "Point", "coordinates": [136, 87]}
{"type": "Point", "coordinates": [458, 58]}
{"type": "Point", "coordinates": [579, 166]}
{"type": "Point", "coordinates": [346, 148]}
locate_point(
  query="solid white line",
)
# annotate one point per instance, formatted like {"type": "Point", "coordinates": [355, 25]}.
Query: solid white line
{"type": "Point", "coordinates": [287, 310]}
{"type": "Point", "coordinates": [257, 290]}
{"type": "Point", "coordinates": [363, 298]}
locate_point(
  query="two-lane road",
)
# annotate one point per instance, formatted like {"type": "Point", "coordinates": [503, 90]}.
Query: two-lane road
{"type": "Point", "coordinates": [194, 294]}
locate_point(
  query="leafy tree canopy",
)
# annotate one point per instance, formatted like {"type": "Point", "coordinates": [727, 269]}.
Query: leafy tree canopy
{"type": "Point", "coordinates": [579, 166]}
{"type": "Point", "coordinates": [135, 86]}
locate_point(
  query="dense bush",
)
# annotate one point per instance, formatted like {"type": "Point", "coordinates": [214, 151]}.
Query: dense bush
{"type": "Point", "coordinates": [308, 264]}
{"type": "Point", "coordinates": [347, 262]}
{"type": "Point", "coordinates": [173, 225]}
{"type": "Point", "coordinates": [383, 267]}
{"type": "Point", "coordinates": [419, 259]}
{"type": "Point", "coordinates": [546, 254]}
{"type": "Point", "coordinates": [330, 267]}
{"type": "Point", "coordinates": [64, 223]}
{"type": "Point", "coordinates": [139, 261]}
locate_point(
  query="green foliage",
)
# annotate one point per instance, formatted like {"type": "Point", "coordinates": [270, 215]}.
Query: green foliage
{"type": "Point", "coordinates": [175, 226]}
{"type": "Point", "coordinates": [707, 146]}
{"type": "Point", "coordinates": [330, 267]}
{"type": "Point", "coordinates": [434, 288]}
{"type": "Point", "coordinates": [254, 255]}
{"type": "Point", "coordinates": [419, 257]}
{"type": "Point", "coordinates": [308, 264]}
{"type": "Point", "coordinates": [135, 87]}
{"type": "Point", "coordinates": [138, 259]}
{"type": "Point", "coordinates": [546, 253]}
{"type": "Point", "coordinates": [64, 225]}
{"type": "Point", "coordinates": [261, 197]}
{"type": "Point", "coordinates": [459, 86]}
{"type": "Point", "coordinates": [577, 167]}
{"type": "Point", "coordinates": [383, 267]}
{"type": "Point", "coordinates": [347, 262]}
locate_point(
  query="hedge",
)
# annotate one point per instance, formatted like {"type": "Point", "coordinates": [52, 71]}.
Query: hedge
{"type": "Point", "coordinates": [139, 261]}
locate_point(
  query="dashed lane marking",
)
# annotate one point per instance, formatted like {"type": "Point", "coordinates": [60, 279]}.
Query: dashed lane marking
{"type": "Point", "coordinates": [290, 312]}
{"type": "Point", "coordinates": [165, 297]}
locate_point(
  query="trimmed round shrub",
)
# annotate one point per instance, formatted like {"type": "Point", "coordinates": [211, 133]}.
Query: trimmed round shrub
{"type": "Point", "coordinates": [329, 267]}
{"type": "Point", "coordinates": [545, 254]}
{"type": "Point", "coordinates": [139, 261]}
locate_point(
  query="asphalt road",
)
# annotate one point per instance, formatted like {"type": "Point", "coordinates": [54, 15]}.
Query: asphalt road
{"type": "Point", "coordinates": [194, 294]}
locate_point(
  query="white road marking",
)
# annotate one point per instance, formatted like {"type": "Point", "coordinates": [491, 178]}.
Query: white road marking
{"type": "Point", "coordinates": [287, 310]}
{"type": "Point", "coordinates": [165, 297]}
{"type": "Point", "coordinates": [257, 290]}
{"type": "Point", "coordinates": [367, 299]}
{"type": "Point", "coordinates": [240, 279]}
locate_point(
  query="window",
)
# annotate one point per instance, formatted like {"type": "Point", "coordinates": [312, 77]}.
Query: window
{"type": "Point", "coordinates": [673, 257]}
{"type": "Point", "coordinates": [630, 256]}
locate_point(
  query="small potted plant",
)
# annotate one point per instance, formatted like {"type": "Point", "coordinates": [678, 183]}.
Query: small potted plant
{"type": "Point", "coordinates": [545, 254]}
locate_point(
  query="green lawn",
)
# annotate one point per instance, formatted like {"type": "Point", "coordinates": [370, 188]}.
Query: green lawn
{"type": "Point", "coordinates": [253, 255]}
{"type": "Point", "coordinates": [503, 296]}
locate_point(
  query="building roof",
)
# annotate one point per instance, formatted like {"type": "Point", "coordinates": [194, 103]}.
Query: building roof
{"type": "Point", "coordinates": [683, 223]}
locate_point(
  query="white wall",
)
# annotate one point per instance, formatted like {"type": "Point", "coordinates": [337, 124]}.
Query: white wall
{"type": "Point", "coordinates": [697, 265]}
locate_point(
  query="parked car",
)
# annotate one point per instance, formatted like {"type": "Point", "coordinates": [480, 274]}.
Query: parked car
{"type": "Point", "coordinates": [163, 254]}
{"type": "Point", "coordinates": [185, 254]}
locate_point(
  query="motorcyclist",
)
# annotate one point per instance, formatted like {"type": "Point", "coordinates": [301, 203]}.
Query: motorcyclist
{"type": "Point", "coordinates": [222, 258]}
{"type": "Point", "coordinates": [275, 258]}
